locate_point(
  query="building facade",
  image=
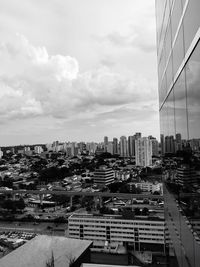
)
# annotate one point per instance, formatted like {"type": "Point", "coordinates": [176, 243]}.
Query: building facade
{"type": "Point", "coordinates": [131, 146]}
{"type": "Point", "coordinates": [143, 152]}
{"type": "Point", "coordinates": [140, 233]}
{"type": "Point", "coordinates": [110, 147]}
{"type": "Point", "coordinates": [123, 146]}
{"type": "Point", "coordinates": [115, 146]}
{"type": "Point", "coordinates": [105, 143]}
{"type": "Point", "coordinates": [103, 175]}
{"type": "Point", "coordinates": [178, 53]}
{"type": "Point", "coordinates": [1, 153]}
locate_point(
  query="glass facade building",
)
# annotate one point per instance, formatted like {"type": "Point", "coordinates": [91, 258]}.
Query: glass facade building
{"type": "Point", "coordinates": [178, 53]}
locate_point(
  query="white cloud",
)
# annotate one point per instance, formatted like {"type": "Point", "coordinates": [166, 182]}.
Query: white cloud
{"type": "Point", "coordinates": [34, 83]}
{"type": "Point", "coordinates": [135, 35]}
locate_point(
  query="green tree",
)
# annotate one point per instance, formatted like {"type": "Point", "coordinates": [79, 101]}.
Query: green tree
{"type": "Point", "coordinates": [145, 211]}
{"type": "Point", "coordinates": [137, 211]}
{"type": "Point", "coordinates": [9, 204]}
{"type": "Point", "coordinates": [20, 204]}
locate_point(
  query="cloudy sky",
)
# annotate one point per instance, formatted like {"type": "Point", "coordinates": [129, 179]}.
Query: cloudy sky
{"type": "Point", "coordinates": [77, 70]}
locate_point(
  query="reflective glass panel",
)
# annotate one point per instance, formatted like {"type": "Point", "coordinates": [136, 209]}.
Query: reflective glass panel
{"type": "Point", "coordinates": [191, 22]}
{"type": "Point", "coordinates": [193, 93]}
{"type": "Point", "coordinates": [180, 106]}
{"type": "Point", "coordinates": [176, 15]}
{"type": "Point", "coordinates": [178, 51]}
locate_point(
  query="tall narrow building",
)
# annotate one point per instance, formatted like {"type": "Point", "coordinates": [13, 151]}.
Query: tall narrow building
{"type": "Point", "coordinates": [143, 152]}
{"type": "Point", "coordinates": [105, 143]}
{"type": "Point", "coordinates": [131, 146]}
{"type": "Point", "coordinates": [115, 146]}
{"type": "Point", "coordinates": [178, 53]}
{"type": "Point", "coordinates": [123, 146]}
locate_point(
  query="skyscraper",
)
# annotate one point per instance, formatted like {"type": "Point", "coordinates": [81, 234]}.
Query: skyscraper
{"type": "Point", "coordinates": [1, 153]}
{"type": "Point", "coordinates": [178, 52]}
{"type": "Point", "coordinates": [137, 135]}
{"type": "Point", "coordinates": [110, 147]}
{"type": "Point", "coordinates": [143, 152]}
{"type": "Point", "coordinates": [131, 146]}
{"type": "Point", "coordinates": [105, 143]}
{"type": "Point", "coordinates": [123, 146]}
{"type": "Point", "coordinates": [115, 146]}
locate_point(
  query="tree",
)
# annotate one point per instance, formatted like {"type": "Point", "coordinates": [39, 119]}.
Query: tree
{"type": "Point", "coordinates": [9, 205]}
{"type": "Point", "coordinates": [106, 210]}
{"type": "Point", "coordinates": [20, 204]}
{"type": "Point", "coordinates": [114, 187]}
{"type": "Point", "coordinates": [88, 208]}
{"type": "Point", "coordinates": [145, 211]}
{"type": "Point", "coordinates": [156, 193]}
{"type": "Point", "coordinates": [137, 211]}
{"type": "Point", "coordinates": [128, 214]}
{"type": "Point", "coordinates": [124, 189]}
{"type": "Point", "coordinates": [60, 219]}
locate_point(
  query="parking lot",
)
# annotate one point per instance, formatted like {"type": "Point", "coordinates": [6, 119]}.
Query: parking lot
{"type": "Point", "coordinates": [38, 228]}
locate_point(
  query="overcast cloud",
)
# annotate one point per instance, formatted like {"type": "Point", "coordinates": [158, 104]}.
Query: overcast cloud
{"type": "Point", "coordinates": [63, 78]}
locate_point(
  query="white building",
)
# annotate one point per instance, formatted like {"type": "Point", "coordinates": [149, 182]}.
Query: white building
{"type": "Point", "coordinates": [110, 147]}
{"type": "Point", "coordinates": [112, 230]}
{"type": "Point", "coordinates": [28, 151]}
{"type": "Point", "coordinates": [91, 148]}
{"type": "Point", "coordinates": [103, 175]}
{"type": "Point", "coordinates": [143, 152]}
{"type": "Point", "coordinates": [38, 149]}
{"type": "Point", "coordinates": [149, 187]}
{"type": "Point", "coordinates": [1, 153]}
{"type": "Point", "coordinates": [121, 175]}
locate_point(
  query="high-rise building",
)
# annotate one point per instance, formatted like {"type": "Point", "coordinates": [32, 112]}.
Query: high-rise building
{"type": "Point", "coordinates": [137, 135]}
{"type": "Point", "coordinates": [115, 146]}
{"type": "Point", "coordinates": [178, 52]}
{"type": "Point", "coordinates": [82, 147]}
{"type": "Point", "coordinates": [143, 152]}
{"type": "Point", "coordinates": [91, 148]}
{"type": "Point", "coordinates": [155, 146]}
{"type": "Point", "coordinates": [74, 149]}
{"type": "Point", "coordinates": [131, 146]}
{"type": "Point", "coordinates": [105, 143]}
{"type": "Point", "coordinates": [38, 149]}
{"type": "Point", "coordinates": [110, 147]}
{"type": "Point", "coordinates": [123, 146]}
{"type": "Point", "coordinates": [1, 153]}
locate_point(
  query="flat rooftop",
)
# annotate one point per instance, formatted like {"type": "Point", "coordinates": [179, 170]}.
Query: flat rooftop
{"type": "Point", "coordinates": [117, 217]}
{"type": "Point", "coordinates": [38, 251]}
{"type": "Point", "coordinates": [104, 265]}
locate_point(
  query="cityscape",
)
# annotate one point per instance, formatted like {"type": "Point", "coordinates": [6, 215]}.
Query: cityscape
{"type": "Point", "coordinates": [99, 133]}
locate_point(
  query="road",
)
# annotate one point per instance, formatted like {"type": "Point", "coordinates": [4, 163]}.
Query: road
{"type": "Point", "coordinates": [74, 193]}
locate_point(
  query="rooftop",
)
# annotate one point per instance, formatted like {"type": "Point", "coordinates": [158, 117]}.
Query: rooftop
{"type": "Point", "coordinates": [38, 251]}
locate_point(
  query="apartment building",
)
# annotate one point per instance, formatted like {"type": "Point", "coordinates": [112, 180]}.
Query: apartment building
{"type": "Point", "coordinates": [103, 175]}
{"type": "Point", "coordinates": [143, 151]}
{"type": "Point", "coordinates": [139, 234]}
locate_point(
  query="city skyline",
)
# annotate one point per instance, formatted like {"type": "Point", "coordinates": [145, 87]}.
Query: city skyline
{"type": "Point", "coordinates": [73, 71]}
{"type": "Point", "coordinates": [101, 141]}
